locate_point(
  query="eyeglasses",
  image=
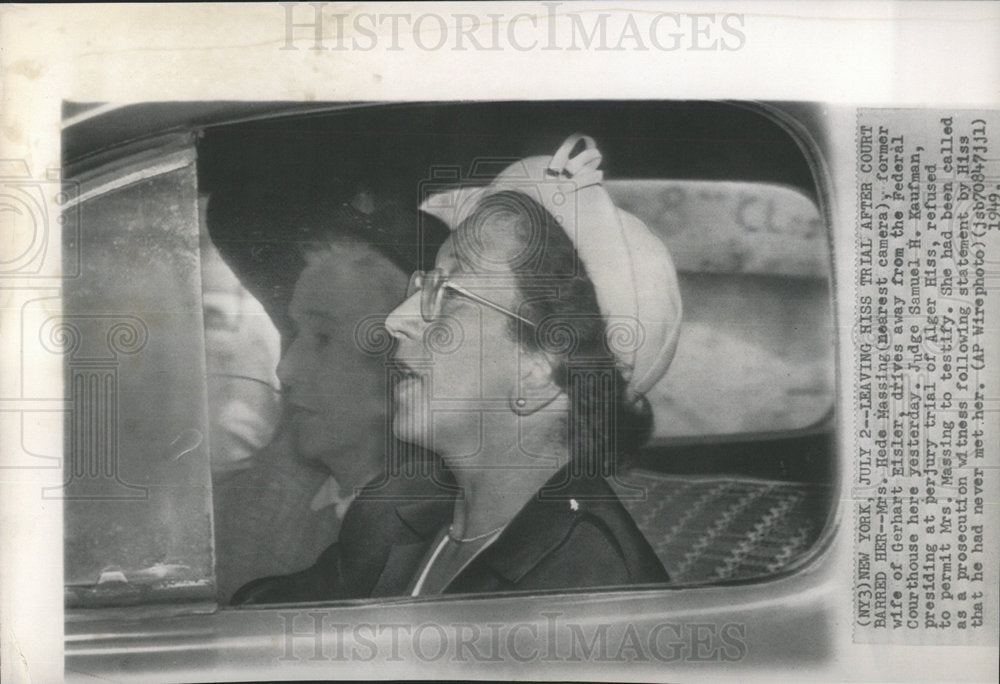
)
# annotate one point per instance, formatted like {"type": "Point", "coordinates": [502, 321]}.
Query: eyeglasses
{"type": "Point", "coordinates": [431, 286]}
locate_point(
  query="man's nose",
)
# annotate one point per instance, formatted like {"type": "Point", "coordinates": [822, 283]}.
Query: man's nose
{"type": "Point", "coordinates": [405, 320]}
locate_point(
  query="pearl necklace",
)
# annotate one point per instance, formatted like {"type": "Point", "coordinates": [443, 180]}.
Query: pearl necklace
{"type": "Point", "coordinates": [465, 540]}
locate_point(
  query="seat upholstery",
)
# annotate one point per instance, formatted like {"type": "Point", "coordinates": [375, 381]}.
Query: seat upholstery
{"type": "Point", "coordinates": [707, 529]}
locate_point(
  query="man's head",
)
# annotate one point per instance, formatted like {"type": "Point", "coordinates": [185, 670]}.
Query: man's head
{"type": "Point", "coordinates": [334, 382]}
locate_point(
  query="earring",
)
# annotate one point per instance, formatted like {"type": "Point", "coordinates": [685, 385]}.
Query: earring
{"type": "Point", "coordinates": [521, 408]}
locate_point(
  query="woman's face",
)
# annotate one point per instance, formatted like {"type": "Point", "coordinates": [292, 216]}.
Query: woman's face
{"type": "Point", "coordinates": [460, 371]}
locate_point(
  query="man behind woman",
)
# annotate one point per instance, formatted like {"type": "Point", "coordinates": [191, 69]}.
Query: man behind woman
{"type": "Point", "coordinates": [276, 511]}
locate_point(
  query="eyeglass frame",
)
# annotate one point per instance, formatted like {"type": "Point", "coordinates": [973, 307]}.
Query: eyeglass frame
{"type": "Point", "coordinates": [430, 303]}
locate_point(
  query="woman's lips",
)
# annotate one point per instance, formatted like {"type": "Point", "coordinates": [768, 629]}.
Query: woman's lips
{"type": "Point", "coordinates": [403, 373]}
{"type": "Point", "coordinates": [408, 381]}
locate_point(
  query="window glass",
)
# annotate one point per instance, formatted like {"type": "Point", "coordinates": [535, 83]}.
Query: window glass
{"type": "Point", "coordinates": [756, 348]}
{"type": "Point", "coordinates": [137, 496]}
{"type": "Point", "coordinates": [242, 347]}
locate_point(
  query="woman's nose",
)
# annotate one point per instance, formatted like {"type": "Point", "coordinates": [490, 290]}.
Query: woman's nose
{"type": "Point", "coordinates": [405, 320]}
{"type": "Point", "coordinates": [287, 366]}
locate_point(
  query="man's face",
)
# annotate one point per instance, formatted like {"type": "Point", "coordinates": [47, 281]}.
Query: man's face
{"type": "Point", "coordinates": [335, 391]}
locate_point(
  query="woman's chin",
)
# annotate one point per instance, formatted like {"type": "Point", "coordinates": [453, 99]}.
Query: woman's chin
{"type": "Point", "coordinates": [407, 416]}
{"type": "Point", "coordinates": [405, 433]}
{"type": "Point", "coordinates": [405, 426]}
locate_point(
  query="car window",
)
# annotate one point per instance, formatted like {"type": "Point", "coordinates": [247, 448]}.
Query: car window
{"type": "Point", "coordinates": [137, 497]}
{"type": "Point", "coordinates": [756, 348]}
{"type": "Point", "coordinates": [755, 356]}
{"type": "Point", "coordinates": [242, 348]}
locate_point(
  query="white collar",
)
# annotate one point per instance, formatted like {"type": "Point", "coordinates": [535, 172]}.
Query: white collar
{"type": "Point", "coordinates": [329, 495]}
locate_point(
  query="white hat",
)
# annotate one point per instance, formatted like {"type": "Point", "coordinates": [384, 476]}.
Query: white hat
{"type": "Point", "coordinates": [630, 268]}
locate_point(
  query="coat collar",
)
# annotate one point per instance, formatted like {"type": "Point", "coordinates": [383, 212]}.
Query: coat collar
{"type": "Point", "coordinates": [421, 520]}
{"type": "Point", "coordinates": [425, 518]}
{"type": "Point", "coordinates": [540, 527]}
{"type": "Point", "coordinates": [544, 523]}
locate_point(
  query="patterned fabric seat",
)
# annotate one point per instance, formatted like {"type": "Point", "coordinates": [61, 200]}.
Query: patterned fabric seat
{"type": "Point", "coordinates": [707, 529]}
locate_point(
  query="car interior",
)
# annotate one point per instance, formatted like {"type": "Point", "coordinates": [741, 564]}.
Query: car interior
{"type": "Point", "coordinates": [738, 483]}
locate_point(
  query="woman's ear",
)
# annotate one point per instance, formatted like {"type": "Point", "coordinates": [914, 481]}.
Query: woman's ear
{"type": "Point", "coordinates": [537, 373]}
{"type": "Point", "coordinates": [536, 387]}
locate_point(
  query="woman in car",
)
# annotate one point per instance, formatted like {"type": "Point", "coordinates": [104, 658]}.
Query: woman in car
{"type": "Point", "coordinates": [525, 354]}
{"type": "Point", "coordinates": [523, 358]}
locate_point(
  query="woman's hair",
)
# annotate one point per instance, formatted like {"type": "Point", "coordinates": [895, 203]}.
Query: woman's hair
{"type": "Point", "coordinates": [556, 293]}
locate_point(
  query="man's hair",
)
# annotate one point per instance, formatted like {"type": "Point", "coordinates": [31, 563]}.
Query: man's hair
{"type": "Point", "coordinates": [556, 293]}
{"type": "Point", "coordinates": [266, 233]}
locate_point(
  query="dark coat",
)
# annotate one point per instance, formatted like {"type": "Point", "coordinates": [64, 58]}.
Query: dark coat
{"type": "Point", "coordinates": [574, 533]}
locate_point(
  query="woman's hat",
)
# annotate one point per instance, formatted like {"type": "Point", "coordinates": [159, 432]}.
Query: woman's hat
{"type": "Point", "coordinates": [630, 268]}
